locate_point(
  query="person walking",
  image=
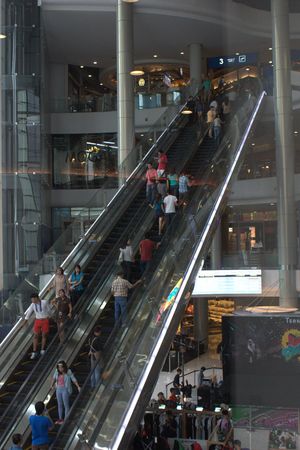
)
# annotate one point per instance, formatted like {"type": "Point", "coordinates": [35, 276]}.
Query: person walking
{"type": "Point", "coordinates": [41, 324]}
{"type": "Point", "coordinates": [151, 178]}
{"type": "Point", "coordinates": [62, 380]}
{"type": "Point", "coordinates": [162, 163]}
{"type": "Point", "coordinates": [159, 212]}
{"type": "Point", "coordinates": [147, 246]}
{"type": "Point", "coordinates": [63, 307]}
{"type": "Point", "coordinates": [119, 290]}
{"type": "Point", "coordinates": [40, 424]}
{"type": "Point", "coordinates": [217, 129]}
{"type": "Point", "coordinates": [183, 188]}
{"type": "Point", "coordinates": [211, 115]}
{"type": "Point", "coordinates": [76, 284]}
{"type": "Point", "coordinates": [60, 281]}
{"type": "Point", "coordinates": [170, 203]}
{"type": "Point", "coordinates": [126, 259]}
{"type": "Point", "coordinates": [162, 183]}
{"type": "Point", "coordinates": [96, 357]}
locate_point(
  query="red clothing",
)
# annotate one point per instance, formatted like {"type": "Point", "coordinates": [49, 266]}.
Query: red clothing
{"type": "Point", "coordinates": [162, 162]}
{"type": "Point", "coordinates": [146, 248]}
{"type": "Point", "coordinates": [173, 398]}
{"type": "Point", "coordinates": [151, 176]}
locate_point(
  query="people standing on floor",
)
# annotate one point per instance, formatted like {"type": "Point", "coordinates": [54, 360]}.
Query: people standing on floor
{"type": "Point", "coordinates": [173, 182]}
{"type": "Point", "coordinates": [217, 130]}
{"type": "Point", "coordinates": [63, 308]}
{"type": "Point", "coordinates": [183, 188]}
{"type": "Point", "coordinates": [173, 399]}
{"type": "Point", "coordinates": [40, 424]}
{"type": "Point", "coordinates": [211, 115]}
{"type": "Point", "coordinates": [63, 378]}
{"type": "Point", "coordinates": [119, 290]}
{"type": "Point", "coordinates": [159, 213]}
{"type": "Point", "coordinates": [162, 163]}
{"type": "Point", "coordinates": [76, 284]}
{"type": "Point", "coordinates": [126, 259]}
{"type": "Point", "coordinates": [161, 400]}
{"type": "Point", "coordinates": [17, 442]}
{"type": "Point", "coordinates": [170, 203]}
{"type": "Point", "coordinates": [60, 281]}
{"type": "Point", "coordinates": [176, 381]}
{"type": "Point", "coordinates": [41, 310]}
{"type": "Point", "coordinates": [96, 357]}
{"type": "Point", "coordinates": [151, 178]}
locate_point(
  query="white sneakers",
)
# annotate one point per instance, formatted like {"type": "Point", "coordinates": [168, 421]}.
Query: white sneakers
{"type": "Point", "coordinates": [34, 354]}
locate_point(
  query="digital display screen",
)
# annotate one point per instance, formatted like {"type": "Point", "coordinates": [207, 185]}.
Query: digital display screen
{"type": "Point", "coordinates": [261, 359]}
{"type": "Point", "coordinates": [228, 282]}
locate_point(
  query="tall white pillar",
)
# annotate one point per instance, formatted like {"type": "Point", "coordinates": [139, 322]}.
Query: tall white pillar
{"type": "Point", "coordinates": [196, 68]}
{"type": "Point", "coordinates": [126, 137]}
{"type": "Point", "coordinates": [285, 153]}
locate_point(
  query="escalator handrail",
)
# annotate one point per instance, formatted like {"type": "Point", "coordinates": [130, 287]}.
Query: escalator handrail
{"type": "Point", "coordinates": [102, 216]}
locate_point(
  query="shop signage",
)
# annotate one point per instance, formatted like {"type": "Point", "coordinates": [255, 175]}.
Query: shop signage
{"type": "Point", "coordinates": [220, 62]}
{"type": "Point", "coordinates": [83, 156]}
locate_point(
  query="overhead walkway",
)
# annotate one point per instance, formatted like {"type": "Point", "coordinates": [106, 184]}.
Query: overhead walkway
{"type": "Point", "coordinates": [135, 353]}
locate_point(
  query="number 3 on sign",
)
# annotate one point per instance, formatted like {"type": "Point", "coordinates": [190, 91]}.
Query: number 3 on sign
{"type": "Point", "coordinates": [221, 61]}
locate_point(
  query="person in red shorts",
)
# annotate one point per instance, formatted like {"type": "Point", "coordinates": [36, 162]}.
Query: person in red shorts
{"type": "Point", "coordinates": [147, 247]}
{"type": "Point", "coordinates": [41, 324]}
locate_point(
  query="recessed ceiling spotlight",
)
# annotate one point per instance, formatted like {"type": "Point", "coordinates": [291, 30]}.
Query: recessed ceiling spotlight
{"type": "Point", "coordinates": [237, 53]}
{"type": "Point", "coordinates": [137, 72]}
{"type": "Point", "coordinates": [101, 84]}
{"type": "Point", "coordinates": [90, 76]}
{"type": "Point", "coordinates": [247, 68]}
{"type": "Point", "coordinates": [296, 132]}
{"type": "Point", "coordinates": [182, 53]}
{"type": "Point", "coordinates": [95, 62]}
{"type": "Point", "coordinates": [253, 144]}
{"type": "Point", "coordinates": [81, 67]}
{"type": "Point", "coordinates": [270, 48]}
{"type": "Point", "coordinates": [2, 36]}
{"type": "Point", "coordinates": [155, 56]}
{"type": "Point", "coordinates": [270, 62]}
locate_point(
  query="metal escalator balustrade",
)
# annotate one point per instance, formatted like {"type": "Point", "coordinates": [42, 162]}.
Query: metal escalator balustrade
{"type": "Point", "coordinates": [102, 304]}
{"type": "Point", "coordinates": [110, 416]}
{"type": "Point", "coordinates": [15, 344]}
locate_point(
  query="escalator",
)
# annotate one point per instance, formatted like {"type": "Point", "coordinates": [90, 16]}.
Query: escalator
{"type": "Point", "coordinates": [134, 217]}
{"type": "Point", "coordinates": [146, 309]}
{"type": "Point", "coordinates": [108, 418]}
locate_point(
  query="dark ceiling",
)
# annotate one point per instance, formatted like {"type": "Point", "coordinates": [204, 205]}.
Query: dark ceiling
{"type": "Point", "coordinates": [266, 4]}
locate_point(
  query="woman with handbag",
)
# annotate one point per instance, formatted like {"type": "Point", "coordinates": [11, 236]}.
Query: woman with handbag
{"type": "Point", "coordinates": [63, 378]}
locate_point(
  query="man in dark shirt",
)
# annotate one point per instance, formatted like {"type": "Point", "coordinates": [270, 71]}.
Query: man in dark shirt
{"type": "Point", "coordinates": [176, 381]}
{"type": "Point", "coordinates": [96, 357]}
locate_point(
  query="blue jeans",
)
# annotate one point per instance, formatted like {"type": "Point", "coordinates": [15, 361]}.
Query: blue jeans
{"type": "Point", "coordinates": [144, 266]}
{"type": "Point", "coordinates": [95, 373]}
{"type": "Point", "coordinates": [120, 308]}
{"type": "Point", "coordinates": [63, 401]}
{"type": "Point", "coordinates": [151, 193]}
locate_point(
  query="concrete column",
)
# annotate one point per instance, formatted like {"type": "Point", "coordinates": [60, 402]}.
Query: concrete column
{"type": "Point", "coordinates": [216, 250]}
{"type": "Point", "coordinates": [126, 139]}
{"type": "Point", "coordinates": [201, 320]}
{"type": "Point", "coordinates": [195, 67]}
{"type": "Point", "coordinates": [287, 236]}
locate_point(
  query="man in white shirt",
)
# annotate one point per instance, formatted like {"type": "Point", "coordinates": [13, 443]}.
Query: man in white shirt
{"type": "Point", "coordinates": [41, 324]}
{"type": "Point", "coordinates": [170, 203]}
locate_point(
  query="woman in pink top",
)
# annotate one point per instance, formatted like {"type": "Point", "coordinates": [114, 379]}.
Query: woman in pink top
{"type": "Point", "coordinates": [151, 177]}
{"type": "Point", "coordinates": [62, 379]}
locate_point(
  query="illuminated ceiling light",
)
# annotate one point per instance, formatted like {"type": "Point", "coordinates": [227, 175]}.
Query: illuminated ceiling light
{"type": "Point", "coordinates": [237, 53]}
{"type": "Point", "coordinates": [90, 76]}
{"type": "Point", "coordinates": [270, 62]}
{"type": "Point", "coordinates": [95, 62]}
{"type": "Point", "coordinates": [155, 56]}
{"type": "Point", "coordinates": [137, 72]}
{"type": "Point", "coordinates": [142, 82]}
{"type": "Point", "coordinates": [253, 144]}
{"type": "Point", "coordinates": [81, 67]}
{"type": "Point", "coordinates": [2, 36]}
{"type": "Point", "coordinates": [101, 84]}
{"type": "Point", "coordinates": [270, 48]}
{"type": "Point", "coordinates": [296, 132]}
{"type": "Point", "coordinates": [142, 135]}
{"type": "Point", "coordinates": [187, 111]}
{"type": "Point", "coordinates": [270, 309]}
{"type": "Point", "coordinates": [247, 68]}
{"type": "Point", "coordinates": [130, 1]}
{"type": "Point", "coordinates": [182, 53]}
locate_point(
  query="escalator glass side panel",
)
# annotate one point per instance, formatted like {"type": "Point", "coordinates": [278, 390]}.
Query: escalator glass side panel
{"type": "Point", "coordinates": [147, 318]}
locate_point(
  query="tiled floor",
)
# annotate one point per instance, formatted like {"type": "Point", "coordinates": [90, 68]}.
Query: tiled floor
{"type": "Point", "coordinates": [206, 360]}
